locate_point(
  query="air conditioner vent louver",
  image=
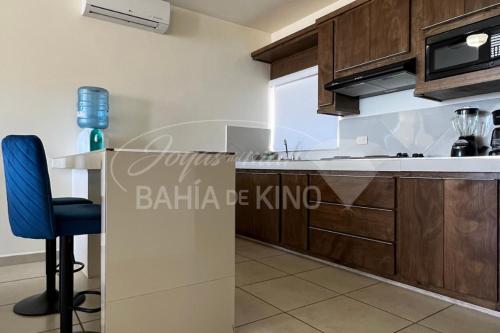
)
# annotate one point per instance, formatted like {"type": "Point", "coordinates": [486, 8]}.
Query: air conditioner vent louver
{"type": "Point", "coordinates": [153, 15]}
{"type": "Point", "coordinates": [111, 14]}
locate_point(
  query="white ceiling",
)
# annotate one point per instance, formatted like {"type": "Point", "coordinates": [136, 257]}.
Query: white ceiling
{"type": "Point", "coordinates": [265, 15]}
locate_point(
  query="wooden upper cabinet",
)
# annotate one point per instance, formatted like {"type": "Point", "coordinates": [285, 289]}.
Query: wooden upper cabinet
{"type": "Point", "coordinates": [389, 28]}
{"type": "Point", "coordinates": [325, 63]}
{"type": "Point", "coordinates": [352, 38]}
{"type": "Point", "coordinates": [472, 5]}
{"type": "Point", "coordinates": [441, 10]}
{"type": "Point", "coordinates": [471, 238]}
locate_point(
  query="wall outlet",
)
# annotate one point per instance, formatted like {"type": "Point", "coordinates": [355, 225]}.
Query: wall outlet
{"type": "Point", "coordinates": [362, 140]}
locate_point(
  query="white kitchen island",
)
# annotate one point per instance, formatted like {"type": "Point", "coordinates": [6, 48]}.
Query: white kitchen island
{"type": "Point", "coordinates": [167, 244]}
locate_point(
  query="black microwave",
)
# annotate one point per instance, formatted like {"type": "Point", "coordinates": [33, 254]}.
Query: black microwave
{"type": "Point", "coordinates": [463, 50]}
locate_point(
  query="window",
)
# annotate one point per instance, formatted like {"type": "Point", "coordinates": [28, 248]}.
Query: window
{"type": "Point", "coordinates": [294, 117]}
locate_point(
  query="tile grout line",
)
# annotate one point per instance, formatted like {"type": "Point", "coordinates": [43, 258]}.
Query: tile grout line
{"type": "Point", "coordinates": [79, 321]}
{"type": "Point", "coordinates": [338, 292]}
{"type": "Point", "coordinates": [421, 320]}
{"type": "Point", "coordinates": [285, 312]}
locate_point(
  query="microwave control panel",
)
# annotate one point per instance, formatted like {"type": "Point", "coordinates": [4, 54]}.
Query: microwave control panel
{"type": "Point", "coordinates": [495, 45]}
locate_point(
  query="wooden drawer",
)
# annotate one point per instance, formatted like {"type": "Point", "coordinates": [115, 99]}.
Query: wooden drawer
{"type": "Point", "coordinates": [376, 257]}
{"type": "Point", "coordinates": [364, 222]}
{"type": "Point", "coordinates": [377, 192]}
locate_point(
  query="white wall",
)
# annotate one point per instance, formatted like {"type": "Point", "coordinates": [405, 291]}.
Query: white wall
{"type": "Point", "coordinates": [201, 70]}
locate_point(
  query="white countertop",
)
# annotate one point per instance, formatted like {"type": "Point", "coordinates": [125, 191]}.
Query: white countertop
{"type": "Point", "coordinates": [432, 164]}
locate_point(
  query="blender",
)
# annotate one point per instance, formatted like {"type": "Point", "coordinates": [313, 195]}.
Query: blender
{"type": "Point", "coordinates": [468, 126]}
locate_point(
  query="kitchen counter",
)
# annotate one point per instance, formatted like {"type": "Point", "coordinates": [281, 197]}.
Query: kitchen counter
{"type": "Point", "coordinates": [432, 164]}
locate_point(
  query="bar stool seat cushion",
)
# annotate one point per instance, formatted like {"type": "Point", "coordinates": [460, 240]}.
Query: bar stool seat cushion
{"type": "Point", "coordinates": [73, 220]}
{"type": "Point", "coordinates": [70, 201]}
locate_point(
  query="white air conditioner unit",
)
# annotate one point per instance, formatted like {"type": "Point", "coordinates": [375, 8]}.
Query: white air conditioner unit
{"type": "Point", "coordinates": [152, 15]}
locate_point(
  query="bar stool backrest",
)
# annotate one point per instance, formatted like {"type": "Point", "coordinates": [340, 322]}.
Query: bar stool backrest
{"type": "Point", "coordinates": [29, 196]}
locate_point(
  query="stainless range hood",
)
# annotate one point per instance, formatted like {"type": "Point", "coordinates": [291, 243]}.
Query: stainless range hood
{"type": "Point", "coordinates": [384, 80]}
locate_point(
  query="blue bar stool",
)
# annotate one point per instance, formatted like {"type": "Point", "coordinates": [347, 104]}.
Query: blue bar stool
{"type": "Point", "coordinates": [33, 215]}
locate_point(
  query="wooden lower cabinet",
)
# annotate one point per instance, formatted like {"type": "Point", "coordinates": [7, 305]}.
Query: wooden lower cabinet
{"type": "Point", "coordinates": [442, 235]}
{"type": "Point", "coordinates": [373, 256]}
{"type": "Point", "coordinates": [294, 228]}
{"type": "Point", "coordinates": [448, 236]}
{"type": "Point", "coordinates": [244, 218]}
{"type": "Point", "coordinates": [421, 231]}
{"type": "Point", "coordinates": [377, 224]}
{"type": "Point", "coordinates": [471, 238]}
{"type": "Point", "coordinates": [259, 215]}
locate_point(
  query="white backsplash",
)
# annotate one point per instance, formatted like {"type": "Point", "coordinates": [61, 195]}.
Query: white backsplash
{"type": "Point", "coordinates": [400, 122]}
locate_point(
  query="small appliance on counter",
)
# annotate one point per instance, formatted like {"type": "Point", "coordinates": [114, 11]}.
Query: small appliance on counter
{"type": "Point", "coordinates": [495, 136]}
{"type": "Point", "coordinates": [469, 127]}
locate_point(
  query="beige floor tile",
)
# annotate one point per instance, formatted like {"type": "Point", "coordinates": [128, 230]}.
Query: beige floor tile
{"type": "Point", "coordinates": [461, 320]}
{"type": "Point", "coordinates": [20, 272]}
{"type": "Point", "coordinates": [240, 242]}
{"type": "Point", "coordinates": [249, 308]}
{"type": "Point", "coordinates": [278, 324]}
{"type": "Point", "coordinates": [253, 272]}
{"type": "Point", "coordinates": [257, 251]}
{"type": "Point", "coordinates": [289, 292]}
{"type": "Point", "coordinates": [337, 279]}
{"type": "Point", "coordinates": [417, 329]}
{"type": "Point", "coordinates": [76, 329]}
{"type": "Point", "coordinates": [291, 264]}
{"type": "Point", "coordinates": [13, 292]}
{"type": "Point", "coordinates": [94, 326]}
{"type": "Point", "coordinates": [399, 301]}
{"type": "Point", "coordinates": [344, 315]}
{"type": "Point", "coordinates": [239, 259]}
{"type": "Point", "coordinates": [12, 323]}
{"type": "Point", "coordinates": [83, 283]}
{"type": "Point", "coordinates": [91, 301]}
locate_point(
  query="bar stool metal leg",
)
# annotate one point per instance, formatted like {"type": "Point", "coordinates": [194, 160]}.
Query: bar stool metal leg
{"type": "Point", "coordinates": [66, 284]}
{"type": "Point", "coordinates": [48, 302]}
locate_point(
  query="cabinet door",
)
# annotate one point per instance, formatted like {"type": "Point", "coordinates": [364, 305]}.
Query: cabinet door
{"type": "Point", "coordinates": [471, 232]}
{"type": "Point", "coordinates": [420, 231]}
{"type": "Point", "coordinates": [244, 205]}
{"type": "Point", "coordinates": [472, 5]}
{"type": "Point", "coordinates": [389, 28]}
{"type": "Point", "coordinates": [325, 63]}
{"type": "Point", "coordinates": [293, 211]}
{"type": "Point", "coordinates": [265, 207]}
{"type": "Point", "coordinates": [352, 38]}
{"type": "Point", "coordinates": [442, 10]}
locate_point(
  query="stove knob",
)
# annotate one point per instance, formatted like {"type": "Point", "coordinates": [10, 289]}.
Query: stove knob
{"type": "Point", "coordinates": [402, 155]}
{"type": "Point", "coordinates": [418, 155]}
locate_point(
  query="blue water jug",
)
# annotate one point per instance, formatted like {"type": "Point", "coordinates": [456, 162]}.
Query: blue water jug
{"type": "Point", "coordinates": [93, 107]}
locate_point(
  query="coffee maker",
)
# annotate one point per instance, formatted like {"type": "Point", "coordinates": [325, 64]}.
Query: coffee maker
{"type": "Point", "coordinates": [495, 136]}
{"type": "Point", "coordinates": [468, 126]}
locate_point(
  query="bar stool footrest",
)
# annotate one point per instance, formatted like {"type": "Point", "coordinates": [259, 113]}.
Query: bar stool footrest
{"type": "Point", "coordinates": [85, 293]}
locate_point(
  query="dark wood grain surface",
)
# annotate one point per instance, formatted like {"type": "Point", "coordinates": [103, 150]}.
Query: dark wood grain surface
{"type": "Point", "coordinates": [472, 5]}
{"type": "Point", "coordinates": [294, 219]}
{"type": "Point", "coordinates": [421, 231]}
{"type": "Point", "coordinates": [352, 38]}
{"type": "Point", "coordinates": [325, 62]}
{"type": "Point", "coordinates": [471, 238]}
{"type": "Point", "coordinates": [365, 222]}
{"type": "Point", "coordinates": [294, 63]}
{"type": "Point", "coordinates": [389, 28]}
{"type": "Point", "coordinates": [375, 192]}
{"type": "Point", "coordinates": [356, 252]}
